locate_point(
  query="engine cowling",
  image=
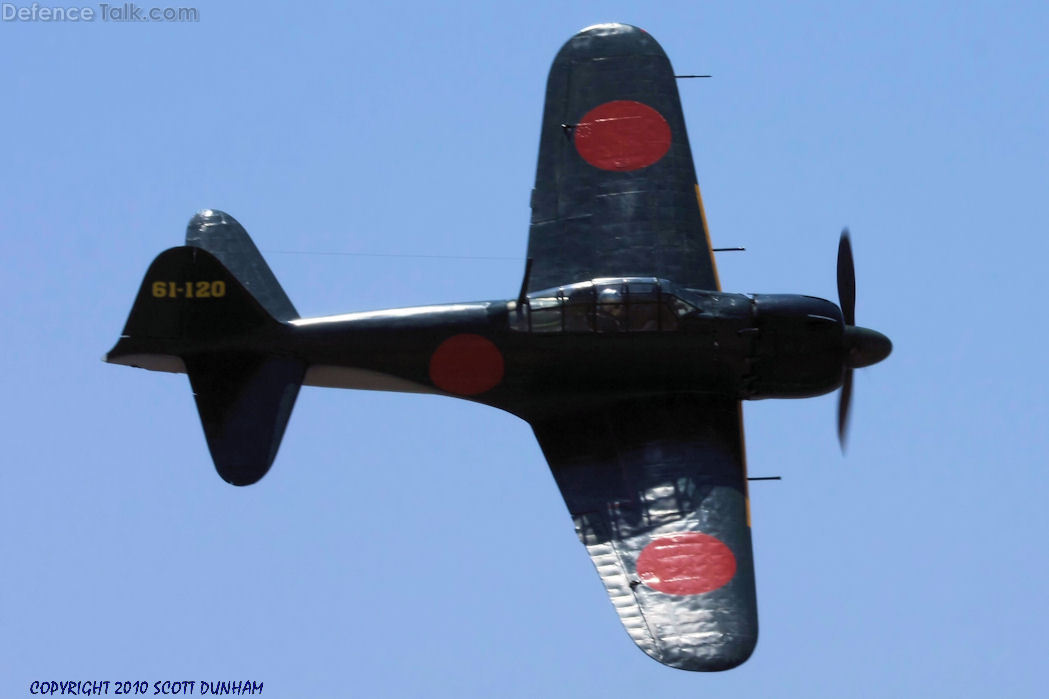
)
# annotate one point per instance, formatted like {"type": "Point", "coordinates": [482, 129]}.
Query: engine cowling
{"type": "Point", "coordinates": [797, 346]}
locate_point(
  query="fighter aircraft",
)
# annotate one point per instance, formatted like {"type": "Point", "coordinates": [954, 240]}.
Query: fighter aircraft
{"type": "Point", "coordinates": [620, 350]}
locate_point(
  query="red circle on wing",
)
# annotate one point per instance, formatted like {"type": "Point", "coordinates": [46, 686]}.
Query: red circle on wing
{"type": "Point", "coordinates": [466, 365]}
{"type": "Point", "coordinates": [622, 135]}
{"type": "Point", "coordinates": [686, 564]}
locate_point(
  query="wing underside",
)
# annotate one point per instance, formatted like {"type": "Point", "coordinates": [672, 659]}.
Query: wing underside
{"type": "Point", "coordinates": [615, 192]}
{"type": "Point", "coordinates": [656, 487]}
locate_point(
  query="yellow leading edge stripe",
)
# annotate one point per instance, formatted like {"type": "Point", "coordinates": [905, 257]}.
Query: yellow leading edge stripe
{"type": "Point", "coordinates": [739, 404]}
{"type": "Point", "coordinates": [743, 459]}
{"type": "Point", "coordinates": [706, 232]}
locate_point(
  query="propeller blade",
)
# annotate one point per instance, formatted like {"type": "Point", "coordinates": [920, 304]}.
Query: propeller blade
{"type": "Point", "coordinates": [844, 403]}
{"type": "Point", "coordinates": [846, 279]}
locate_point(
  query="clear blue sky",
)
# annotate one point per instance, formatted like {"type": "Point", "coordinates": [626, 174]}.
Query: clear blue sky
{"type": "Point", "coordinates": [416, 545]}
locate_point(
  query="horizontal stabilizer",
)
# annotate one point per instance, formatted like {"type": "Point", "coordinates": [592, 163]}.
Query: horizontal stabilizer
{"type": "Point", "coordinates": [245, 401]}
{"type": "Point", "coordinates": [222, 236]}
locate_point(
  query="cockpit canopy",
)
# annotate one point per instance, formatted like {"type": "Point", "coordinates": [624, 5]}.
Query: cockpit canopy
{"type": "Point", "coordinates": [633, 304]}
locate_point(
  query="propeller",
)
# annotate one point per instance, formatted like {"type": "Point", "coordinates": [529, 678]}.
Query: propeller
{"type": "Point", "coordinates": [846, 279]}
{"type": "Point", "coordinates": [847, 301]}
{"type": "Point", "coordinates": [862, 346]}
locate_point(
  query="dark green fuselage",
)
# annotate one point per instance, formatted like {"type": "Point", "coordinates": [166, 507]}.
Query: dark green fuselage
{"type": "Point", "coordinates": [732, 345]}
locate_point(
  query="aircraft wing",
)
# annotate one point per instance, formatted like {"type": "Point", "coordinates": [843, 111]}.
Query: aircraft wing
{"type": "Point", "coordinates": [615, 189]}
{"type": "Point", "coordinates": [657, 489]}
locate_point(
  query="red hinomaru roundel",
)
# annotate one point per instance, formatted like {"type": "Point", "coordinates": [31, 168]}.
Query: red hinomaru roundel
{"type": "Point", "coordinates": [690, 563]}
{"type": "Point", "coordinates": [466, 365]}
{"type": "Point", "coordinates": [622, 135]}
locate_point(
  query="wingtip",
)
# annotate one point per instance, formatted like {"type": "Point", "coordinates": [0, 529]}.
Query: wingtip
{"type": "Point", "coordinates": [605, 28]}
{"type": "Point", "coordinates": [726, 653]}
{"type": "Point", "coordinates": [610, 39]}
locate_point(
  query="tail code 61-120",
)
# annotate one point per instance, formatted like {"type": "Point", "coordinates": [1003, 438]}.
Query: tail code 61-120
{"type": "Point", "coordinates": [189, 290]}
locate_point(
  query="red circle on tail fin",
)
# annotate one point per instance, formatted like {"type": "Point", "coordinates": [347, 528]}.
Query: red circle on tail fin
{"type": "Point", "coordinates": [689, 563]}
{"type": "Point", "coordinates": [622, 135]}
{"type": "Point", "coordinates": [466, 365]}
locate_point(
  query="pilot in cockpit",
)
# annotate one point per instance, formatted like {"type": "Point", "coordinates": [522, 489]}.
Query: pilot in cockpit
{"type": "Point", "coordinates": [611, 311]}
